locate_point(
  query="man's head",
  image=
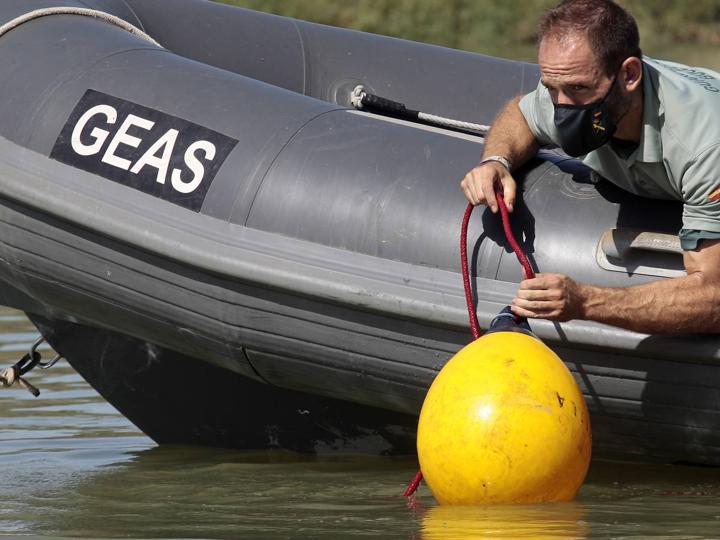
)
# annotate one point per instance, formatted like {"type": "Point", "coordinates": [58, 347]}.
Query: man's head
{"type": "Point", "coordinates": [611, 32]}
{"type": "Point", "coordinates": [583, 46]}
{"type": "Point", "coordinates": [589, 53]}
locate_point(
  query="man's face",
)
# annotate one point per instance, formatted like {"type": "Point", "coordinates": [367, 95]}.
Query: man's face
{"type": "Point", "coordinates": [570, 71]}
{"type": "Point", "coordinates": [573, 76]}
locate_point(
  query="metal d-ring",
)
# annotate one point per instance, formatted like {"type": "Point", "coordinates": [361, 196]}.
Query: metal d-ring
{"type": "Point", "coordinates": [50, 363]}
{"type": "Point", "coordinates": [43, 365]}
{"type": "Point", "coordinates": [39, 341]}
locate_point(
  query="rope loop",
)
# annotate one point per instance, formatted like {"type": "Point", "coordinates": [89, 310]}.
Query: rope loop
{"type": "Point", "coordinates": [68, 10]}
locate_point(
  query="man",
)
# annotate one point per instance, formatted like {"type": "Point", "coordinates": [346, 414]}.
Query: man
{"type": "Point", "coordinates": [651, 127]}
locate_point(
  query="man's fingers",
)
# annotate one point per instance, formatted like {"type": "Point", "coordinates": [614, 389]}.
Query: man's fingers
{"type": "Point", "coordinates": [509, 188]}
{"type": "Point", "coordinates": [466, 187]}
{"type": "Point", "coordinates": [540, 294]}
{"type": "Point", "coordinates": [535, 314]}
{"type": "Point", "coordinates": [488, 190]}
{"type": "Point", "coordinates": [468, 192]}
{"type": "Point", "coordinates": [470, 186]}
{"type": "Point", "coordinates": [536, 284]}
{"type": "Point", "coordinates": [520, 312]}
{"type": "Point", "coordinates": [542, 281]}
{"type": "Point", "coordinates": [548, 296]}
{"type": "Point", "coordinates": [536, 306]}
{"type": "Point", "coordinates": [475, 188]}
{"type": "Point", "coordinates": [480, 183]}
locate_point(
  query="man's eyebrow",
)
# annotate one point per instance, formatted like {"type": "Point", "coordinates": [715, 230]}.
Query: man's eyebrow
{"type": "Point", "coordinates": [576, 82]}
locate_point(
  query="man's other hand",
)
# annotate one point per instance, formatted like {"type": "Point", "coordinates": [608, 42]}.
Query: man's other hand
{"type": "Point", "coordinates": [479, 185]}
{"type": "Point", "coordinates": [549, 296]}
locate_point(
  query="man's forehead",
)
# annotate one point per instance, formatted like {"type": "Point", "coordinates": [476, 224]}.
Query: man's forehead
{"type": "Point", "coordinates": [567, 42]}
{"type": "Point", "coordinates": [567, 58]}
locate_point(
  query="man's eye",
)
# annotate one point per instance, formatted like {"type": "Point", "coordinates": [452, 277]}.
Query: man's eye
{"type": "Point", "coordinates": [579, 87]}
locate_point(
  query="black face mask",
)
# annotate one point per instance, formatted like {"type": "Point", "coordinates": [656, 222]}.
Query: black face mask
{"type": "Point", "coordinates": [584, 128]}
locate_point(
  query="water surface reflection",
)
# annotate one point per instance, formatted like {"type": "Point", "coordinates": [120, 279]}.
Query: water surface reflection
{"type": "Point", "coordinates": [71, 466]}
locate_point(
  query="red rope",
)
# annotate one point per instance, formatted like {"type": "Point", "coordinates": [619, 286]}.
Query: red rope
{"type": "Point", "coordinates": [413, 485]}
{"type": "Point", "coordinates": [472, 313]}
{"type": "Point", "coordinates": [522, 258]}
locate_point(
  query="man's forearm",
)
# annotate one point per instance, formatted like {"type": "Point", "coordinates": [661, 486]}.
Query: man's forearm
{"type": "Point", "coordinates": [684, 305]}
{"type": "Point", "coordinates": [510, 136]}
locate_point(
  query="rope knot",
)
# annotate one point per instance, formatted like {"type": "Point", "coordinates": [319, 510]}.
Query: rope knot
{"type": "Point", "coordinates": [14, 374]}
{"type": "Point", "coordinates": [8, 376]}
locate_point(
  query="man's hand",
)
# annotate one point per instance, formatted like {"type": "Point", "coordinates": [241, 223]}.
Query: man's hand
{"type": "Point", "coordinates": [550, 296]}
{"type": "Point", "coordinates": [479, 185]}
{"type": "Point", "coordinates": [511, 138]}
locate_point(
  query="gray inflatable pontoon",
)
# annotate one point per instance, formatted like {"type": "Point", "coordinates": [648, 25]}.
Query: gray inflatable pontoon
{"type": "Point", "coordinates": [231, 255]}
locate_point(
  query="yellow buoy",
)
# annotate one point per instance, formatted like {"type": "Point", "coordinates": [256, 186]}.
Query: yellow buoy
{"type": "Point", "coordinates": [504, 422]}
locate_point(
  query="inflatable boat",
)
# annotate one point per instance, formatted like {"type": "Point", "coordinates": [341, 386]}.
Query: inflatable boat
{"type": "Point", "coordinates": [194, 215]}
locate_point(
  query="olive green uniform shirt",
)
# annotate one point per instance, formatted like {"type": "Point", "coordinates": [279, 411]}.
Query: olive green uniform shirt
{"type": "Point", "coordinates": [679, 152]}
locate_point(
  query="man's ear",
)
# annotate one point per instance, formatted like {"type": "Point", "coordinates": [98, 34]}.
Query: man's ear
{"type": "Point", "coordinates": [631, 73]}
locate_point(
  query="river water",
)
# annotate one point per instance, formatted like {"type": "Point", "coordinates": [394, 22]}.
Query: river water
{"type": "Point", "coordinates": [71, 466]}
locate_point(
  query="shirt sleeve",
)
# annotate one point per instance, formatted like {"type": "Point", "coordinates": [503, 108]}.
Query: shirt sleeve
{"type": "Point", "coordinates": [690, 238]}
{"type": "Point", "coordinates": [701, 196]}
{"type": "Point", "coordinates": [539, 113]}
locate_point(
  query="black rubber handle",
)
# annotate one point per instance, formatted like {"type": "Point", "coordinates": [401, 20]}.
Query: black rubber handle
{"type": "Point", "coordinates": [389, 106]}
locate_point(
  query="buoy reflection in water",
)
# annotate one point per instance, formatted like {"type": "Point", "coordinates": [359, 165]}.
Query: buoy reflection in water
{"type": "Point", "coordinates": [527, 522]}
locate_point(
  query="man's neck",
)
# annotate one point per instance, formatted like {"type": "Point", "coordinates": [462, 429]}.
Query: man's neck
{"type": "Point", "coordinates": [630, 127]}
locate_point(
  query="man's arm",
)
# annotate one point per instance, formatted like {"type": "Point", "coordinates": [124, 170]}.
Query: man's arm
{"type": "Point", "coordinates": [684, 305]}
{"type": "Point", "coordinates": [511, 138]}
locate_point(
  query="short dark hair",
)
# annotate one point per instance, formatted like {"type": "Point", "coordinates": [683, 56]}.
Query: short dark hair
{"type": "Point", "coordinates": [610, 29]}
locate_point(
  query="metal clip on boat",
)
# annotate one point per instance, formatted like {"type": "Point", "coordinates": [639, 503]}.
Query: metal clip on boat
{"type": "Point", "coordinates": [31, 360]}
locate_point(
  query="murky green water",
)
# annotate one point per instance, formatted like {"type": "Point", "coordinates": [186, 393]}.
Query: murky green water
{"type": "Point", "coordinates": [70, 466]}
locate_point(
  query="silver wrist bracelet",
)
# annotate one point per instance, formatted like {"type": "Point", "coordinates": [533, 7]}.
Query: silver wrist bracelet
{"type": "Point", "coordinates": [505, 162]}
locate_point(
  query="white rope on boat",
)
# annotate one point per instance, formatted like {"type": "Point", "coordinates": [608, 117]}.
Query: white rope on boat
{"type": "Point", "coordinates": [449, 122]}
{"type": "Point", "coordinates": [101, 15]}
{"type": "Point", "coordinates": [359, 94]}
